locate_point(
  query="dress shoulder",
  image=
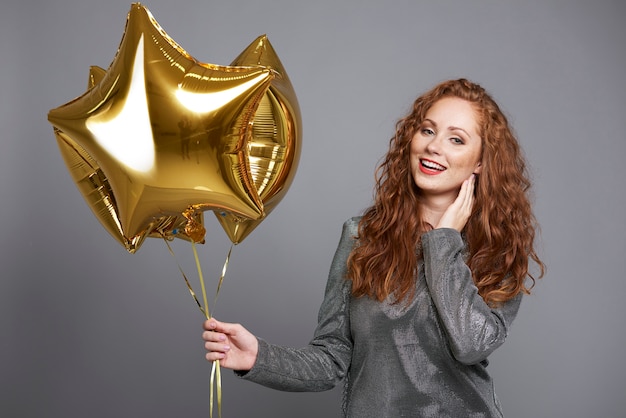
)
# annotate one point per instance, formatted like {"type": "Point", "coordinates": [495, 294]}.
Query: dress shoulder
{"type": "Point", "coordinates": [351, 226]}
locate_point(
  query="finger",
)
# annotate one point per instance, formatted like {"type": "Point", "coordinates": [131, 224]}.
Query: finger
{"type": "Point", "coordinates": [213, 356]}
{"type": "Point", "coordinates": [467, 190]}
{"type": "Point", "coordinates": [470, 191]}
{"type": "Point", "coordinates": [209, 324]}
{"type": "Point", "coordinates": [215, 325]}
{"type": "Point", "coordinates": [217, 347]}
{"type": "Point", "coordinates": [213, 336]}
{"type": "Point", "coordinates": [226, 327]}
{"type": "Point", "coordinates": [461, 199]}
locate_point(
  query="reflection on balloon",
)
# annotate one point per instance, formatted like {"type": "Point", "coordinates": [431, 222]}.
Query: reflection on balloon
{"type": "Point", "coordinates": [160, 137]}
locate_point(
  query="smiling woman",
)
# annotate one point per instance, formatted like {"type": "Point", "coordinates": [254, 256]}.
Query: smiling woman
{"type": "Point", "coordinates": [425, 285]}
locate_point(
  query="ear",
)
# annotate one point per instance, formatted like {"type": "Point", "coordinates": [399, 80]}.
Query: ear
{"type": "Point", "coordinates": [479, 168]}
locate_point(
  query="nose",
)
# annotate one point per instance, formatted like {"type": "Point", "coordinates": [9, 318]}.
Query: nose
{"type": "Point", "coordinates": [434, 145]}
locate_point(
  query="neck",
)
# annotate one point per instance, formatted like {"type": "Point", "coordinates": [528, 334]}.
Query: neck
{"type": "Point", "coordinates": [433, 208]}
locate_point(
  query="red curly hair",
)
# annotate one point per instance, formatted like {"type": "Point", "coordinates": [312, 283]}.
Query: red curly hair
{"type": "Point", "coordinates": [500, 232]}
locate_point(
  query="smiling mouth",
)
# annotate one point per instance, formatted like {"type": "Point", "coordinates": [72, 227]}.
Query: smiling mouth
{"type": "Point", "coordinates": [431, 165]}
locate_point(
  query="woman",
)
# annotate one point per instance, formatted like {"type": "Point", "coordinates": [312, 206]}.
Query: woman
{"type": "Point", "coordinates": [425, 285]}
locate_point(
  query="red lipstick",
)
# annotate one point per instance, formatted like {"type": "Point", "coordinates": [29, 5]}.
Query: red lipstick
{"type": "Point", "coordinates": [430, 167]}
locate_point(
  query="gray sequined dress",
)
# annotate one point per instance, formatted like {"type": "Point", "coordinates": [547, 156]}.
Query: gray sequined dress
{"type": "Point", "coordinates": [424, 359]}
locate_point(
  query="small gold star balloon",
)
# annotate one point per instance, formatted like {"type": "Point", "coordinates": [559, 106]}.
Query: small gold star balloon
{"type": "Point", "coordinates": [160, 137]}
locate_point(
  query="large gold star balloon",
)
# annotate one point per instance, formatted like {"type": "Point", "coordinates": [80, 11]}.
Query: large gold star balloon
{"type": "Point", "coordinates": [160, 137]}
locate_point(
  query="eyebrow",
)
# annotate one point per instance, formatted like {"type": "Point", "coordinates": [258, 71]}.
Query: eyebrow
{"type": "Point", "coordinates": [452, 128]}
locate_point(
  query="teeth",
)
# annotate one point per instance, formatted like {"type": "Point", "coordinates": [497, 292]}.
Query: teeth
{"type": "Point", "coordinates": [432, 165]}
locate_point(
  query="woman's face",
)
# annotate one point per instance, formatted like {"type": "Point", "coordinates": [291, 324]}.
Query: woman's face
{"type": "Point", "coordinates": [446, 149]}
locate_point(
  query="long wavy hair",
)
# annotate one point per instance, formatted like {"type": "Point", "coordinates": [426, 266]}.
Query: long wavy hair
{"type": "Point", "coordinates": [500, 232]}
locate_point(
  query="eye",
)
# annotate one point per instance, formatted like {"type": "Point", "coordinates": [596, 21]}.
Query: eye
{"type": "Point", "coordinates": [457, 140]}
{"type": "Point", "coordinates": [427, 131]}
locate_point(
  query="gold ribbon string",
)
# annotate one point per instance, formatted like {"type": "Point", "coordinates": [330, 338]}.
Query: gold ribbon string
{"type": "Point", "coordinates": [207, 312]}
{"type": "Point", "coordinates": [224, 268]}
{"type": "Point", "coordinates": [216, 363]}
{"type": "Point", "coordinates": [193, 294]}
{"type": "Point", "coordinates": [216, 375]}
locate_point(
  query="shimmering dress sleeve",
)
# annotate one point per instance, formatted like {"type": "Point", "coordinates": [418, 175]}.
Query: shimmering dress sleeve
{"type": "Point", "coordinates": [325, 360]}
{"type": "Point", "coordinates": [474, 330]}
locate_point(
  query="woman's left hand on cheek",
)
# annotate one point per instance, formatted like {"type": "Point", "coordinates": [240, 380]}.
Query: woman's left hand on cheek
{"type": "Point", "coordinates": [459, 211]}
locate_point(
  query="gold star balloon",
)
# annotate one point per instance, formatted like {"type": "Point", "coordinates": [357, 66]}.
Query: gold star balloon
{"type": "Point", "coordinates": [160, 137]}
{"type": "Point", "coordinates": [274, 143]}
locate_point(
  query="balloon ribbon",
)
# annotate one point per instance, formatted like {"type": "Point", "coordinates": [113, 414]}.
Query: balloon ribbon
{"type": "Point", "coordinates": [216, 375]}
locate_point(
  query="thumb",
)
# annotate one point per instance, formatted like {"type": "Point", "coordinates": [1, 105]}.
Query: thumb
{"type": "Point", "coordinates": [215, 325]}
{"type": "Point", "coordinates": [211, 324]}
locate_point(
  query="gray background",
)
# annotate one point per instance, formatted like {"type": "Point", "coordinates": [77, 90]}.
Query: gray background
{"type": "Point", "coordinates": [88, 330]}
